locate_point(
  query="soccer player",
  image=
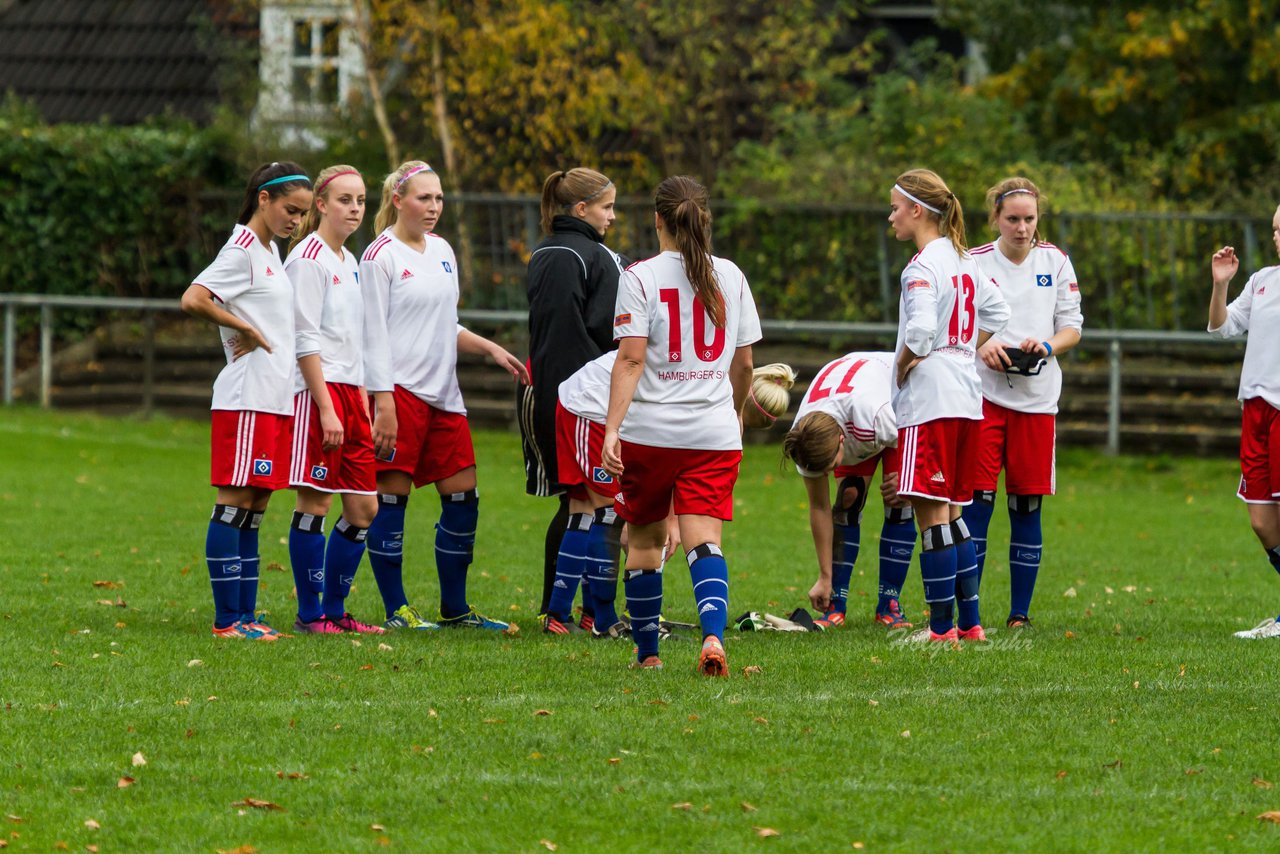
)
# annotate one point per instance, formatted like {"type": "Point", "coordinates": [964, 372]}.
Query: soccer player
{"type": "Point", "coordinates": [1018, 410]}
{"type": "Point", "coordinates": [1255, 311]}
{"type": "Point", "coordinates": [246, 292]}
{"type": "Point", "coordinates": [409, 279]}
{"type": "Point", "coordinates": [846, 426]}
{"type": "Point", "coordinates": [572, 285]}
{"type": "Point", "coordinates": [685, 322]}
{"type": "Point", "coordinates": [332, 438]}
{"type": "Point", "coordinates": [949, 309]}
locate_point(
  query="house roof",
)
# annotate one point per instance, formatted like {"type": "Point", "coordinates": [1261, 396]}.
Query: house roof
{"type": "Point", "coordinates": [123, 60]}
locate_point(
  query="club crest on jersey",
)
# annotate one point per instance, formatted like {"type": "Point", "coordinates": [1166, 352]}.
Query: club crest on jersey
{"type": "Point", "coordinates": [673, 356]}
{"type": "Point", "coordinates": [319, 472]}
{"type": "Point", "coordinates": [1044, 280]}
{"type": "Point", "coordinates": [1075, 289]}
{"type": "Point", "coordinates": [406, 275]}
{"type": "Point", "coordinates": [599, 475]}
{"type": "Point", "coordinates": [622, 319]}
{"type": "Point", "coordinates": [916, 284]}
{"type": "Point", "coordinates": [446, 266]}
{"type": "Point", "coordinates": [262, 467]}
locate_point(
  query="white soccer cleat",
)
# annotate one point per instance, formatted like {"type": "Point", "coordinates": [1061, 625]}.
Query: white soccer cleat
{"type": "Point", "coordinates": [1268, 628]}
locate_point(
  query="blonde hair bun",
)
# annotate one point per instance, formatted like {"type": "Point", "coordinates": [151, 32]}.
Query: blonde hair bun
{"type": "Point", "coordinates": [770, 396]}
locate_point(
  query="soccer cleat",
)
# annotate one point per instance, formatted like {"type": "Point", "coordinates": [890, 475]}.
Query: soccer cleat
{"type": "Point", "coordinates": [258, 630]}
{"type": "Point", "coordinates": [553, 626]}
{"type": "Point", "coordinates": [406, 617]}
{"type": "Point", "coordinates": [1018, 621]}
{"type": "Point", "coordinates": [320, 626]}
{"type": "Point", "coordinates": [348, 623]}
{"type": "Point", "coordinates": [615, 632]}
{"type": "Point", "coordinates": [473, 619]}
{"type": "Point", "coordinates": [712, 661]}
{"type": "Point", "coordinates": [586, 623]}
{"type": "Point", "coordinates": [833, 618]}
{"type": "Point", "coordinates": [652, 662]}
{"type": "Point", "coordinates": [974, 634]}
{"type": "Point", "coordinates": [893, 618]}
{"type": "Point", "coordinates": [951, 636]}
{"type": "Point", "coordinates": [232, 631]}
{"type": "Point", "coordinates": [1268, 628]}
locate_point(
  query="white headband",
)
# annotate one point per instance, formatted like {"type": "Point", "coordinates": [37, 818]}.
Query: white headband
{"type": "Point", "coordinates": [1001, 197]}
{"type": "Point", "coordinates": [927, 207]}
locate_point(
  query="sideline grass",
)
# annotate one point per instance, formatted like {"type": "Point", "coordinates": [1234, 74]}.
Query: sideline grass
{"type": "Point", "coordinates": [1130, 719]}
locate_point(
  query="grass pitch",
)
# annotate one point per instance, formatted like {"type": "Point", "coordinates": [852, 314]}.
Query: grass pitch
{"type": "Point", "coordinates": [1129, 719]}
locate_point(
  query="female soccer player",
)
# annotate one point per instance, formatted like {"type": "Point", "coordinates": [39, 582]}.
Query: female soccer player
{"type": "Point", "coordinates": [685, 322]}
{"type": "Point", "coordinates": [846, 426]}
{"type": "Point", "coordinates": [1018, 411]}
{"type": "Point", "coordinates": [332, 442]}
{"type": "Point", "coordinates": [246, 292]}
{"type": "Point", "coordinates": [409, 278]}
{"type": "Point", "coordinates": [572, 285]}
{"type": "Point", "coordinates": [949, 309]}
{"type": "Point", "coordinates": [1256, 310]}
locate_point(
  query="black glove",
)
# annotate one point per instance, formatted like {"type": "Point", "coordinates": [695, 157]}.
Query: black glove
{"type": "Point", "coordinates": [1022, 362]}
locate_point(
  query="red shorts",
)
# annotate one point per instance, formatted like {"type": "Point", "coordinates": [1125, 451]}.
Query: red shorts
{"type": "Point", "coordinates": [1021, 443]}
{"type": "Point", "coordinates": [347, 468]}
{"type": "Point", "coordinates": [699, 483]}
{"type": "Point", "coordinates": [579, 449]}
{"type": "Point", "coordinates": [1260, 453]}
{"type": "Point", "coordinates": [251, 449]}
{"type": "Point", "coordinates": [939, 460]}
{"type": "Point", "coordinates": [889, 460]}
{"type": "Point", "coordinates": [431, 444]}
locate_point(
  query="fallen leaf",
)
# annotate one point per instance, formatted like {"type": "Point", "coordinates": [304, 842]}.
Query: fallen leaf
{"type": "Point", "coordinates": [185, 701]}
{"type": "Point", "coordinates": [120, 625]}
{"type": "Point", "coordinates": [511, 630]}
{"type": "Point", "coordinates": [548, 844]}
{"type": "Point", "coordinates": [906, 733]}
{"type": "Point", "coordinates": [685, 805]}
{"type": "Point", "coordinates": [1129, 588]}
{"type": "Point", "coordinates": [195, 662]}
{"type": "Point", "coordinates": [873, 702]}
{"type": "Point", "coordinates": [92, 849]}
{"type": "Point", "coordinates": [542, 713]}
{"type": "Point", "coordinates": [1068, 635]}
{"type": "Point", "coordinates": [694, 718]}
{"type": "Point", "coordinates": [243, 849]}
{"type": "Point", "coordinates": [16, 819]}
{"type": "Point", "coordinates": [432, 713]}
{"type": "Point", "coordinates": [274, 567]}
{"type": "Point", "coordinates": [1070, 593]}
{"type": "Point", "coordinates": [657, 701]}
{"type": "Point", "coordinates": [765, 832]}
{"type": "Point", "coordinates": [751, 670]}
{"type": "Point", "coordinates": [60, 845]}
{"type": "Point", "coordinates": [1108, 589]}
{"type": "Point", "coordinates": [366, 667]}
{"type": "Point", "coordinates": [494, 721]}
{"type": "Point", "coordinates": [139, 760]}
{"type": "Point", "coordinates": [761, 721]}
{"type": "Point", "coordinates": [1261, 783]}
{"type": "Point", "coordinates": [125, 782]}
{"type": "Point", "coordinates": [535, 755]}
{"type": "Point", "coordinates": [746, 807]}
{"type": "Point", "coordinates": [1061, 775]}
{"type": "Point", "coordinates": [1113, 765]}
{"type": "Point", "coordinates": [1191, 772]}
{"type": "Point", "coordinates": [91, 824]}
{"type": "Point", "coordinates": [292, 775]}
{"type": "Point", "coordinates": [1270, 815]}
{"type": "Point", "coordinates": [109, 585]}
{"type": "Point", "coordinates": [259, 805]}
{"type": "Point", "coordinates": [614, 760]}
{"type": "Point", "coordinates": [859, 846]}
{"type": "Point", "coordinates": [384, 647]}
{"type": "Point", "coordinates": [377, 828]}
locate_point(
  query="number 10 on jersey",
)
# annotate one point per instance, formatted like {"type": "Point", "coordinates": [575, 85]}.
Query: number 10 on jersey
{"type": "Point", "coordinates": [706, 351]}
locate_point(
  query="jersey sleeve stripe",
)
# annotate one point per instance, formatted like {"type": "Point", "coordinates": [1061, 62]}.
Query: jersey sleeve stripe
{"type": "Point", "coordinates": [374, 248]}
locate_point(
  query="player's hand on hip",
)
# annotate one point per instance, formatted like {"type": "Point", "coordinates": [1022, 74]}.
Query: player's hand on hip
{"type": "Point", "coordinates": [1224, 265]}
{"type": "Point", "coordinates": [385, 427]}
{"type": "Point", "coordinates": [820, 595]}
{"type": "Point", "coordinates": [904, 370]}
{"type": "Point", "coordinates": [611, 457]}
{"type": "Point", "coordinates": [993, 355]}
{"type": "Point", "coordinates": [330, 430]}
{"type": "Point", "coordinates": [248, 340]}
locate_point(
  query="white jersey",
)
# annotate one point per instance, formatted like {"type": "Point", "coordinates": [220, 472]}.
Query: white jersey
{"type": "Point", "coordinates": [328, 310]}
{"type": "Point", "coordinates": [411, 319]}
{"type": "Point", "coordinates": [684, 398]}
{"type": "Point", "coordinates": [946, 299]}
{"type": "Point", "coordinates": [586, 392]}
{"type": "Point", "coordinates": [1257, 308]}
{"type": "Point", "coordinates": [250, 282]}
{"type": "Point", "coordinates": [1043, 298]}
{"type": "Point", "coordinates": [856, 391]}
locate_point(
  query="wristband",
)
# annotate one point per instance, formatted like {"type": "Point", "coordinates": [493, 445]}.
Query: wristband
{"type": "Point", "coordinates": [1047, 346]}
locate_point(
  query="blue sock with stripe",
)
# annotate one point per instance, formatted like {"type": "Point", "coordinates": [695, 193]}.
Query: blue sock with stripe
{"type": "Point", "coordinates": [1026, 546]}
{"type": "Point", "coordinates": [570, 566]}
{"type": "Point", "coordinates": [249, 561]}
{"type": "Point", "coordinates": [306, 558]}
{"type": "Point", "coordinates": [844, 554]}
{"type": "Point", "coordinates": [644, 602]}
{"type": "Point", "coordinates": [385, 546]}
{"type": "Point", "coordinates": [710, 576]}
{"type": "Point", "coordinates": [977, 517]}
{"type": "Point", "coordinates": [967, 577]}
{"type": "Point", "coordinates": [455, 545]}
{"type": "Point", "coordinates": [938, 571]}
{"type": "Point", "coordinates": [341, 560]}
{"type": "Point", "coordinates": [897, 544]}
{"type": "Point", "coordinates": [604, 545]}
{"type": "Point", "coordinates": [222, 553]}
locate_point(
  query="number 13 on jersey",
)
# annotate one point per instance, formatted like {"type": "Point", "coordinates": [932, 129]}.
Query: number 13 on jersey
{"type": "Point", "coordinates": [960, 330]}
{"type": "Point", "coordinates": [706, 351]}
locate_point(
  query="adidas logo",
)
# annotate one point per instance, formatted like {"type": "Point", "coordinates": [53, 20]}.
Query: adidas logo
{"type": "Point", "coordinates": [406, 275]}
{"type": "Point", "coordinates": [651, 627]}
{"type": "Point", "coordinates": [938, 478]}
{"type": "Point", "coordinates": [560, 584]}
{"type": "Point", "coordinates": [706, 607]}
{"type": "Point", "coordinates": [270, 272]}
{"type": "Point", "coordinates": [336, 280]}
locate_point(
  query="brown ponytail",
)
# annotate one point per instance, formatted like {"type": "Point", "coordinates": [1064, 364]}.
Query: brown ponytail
{"type": "Point", "coordinates": [682, 204]}
{"type": "Point", "coordinates": [813, 442]}
{"type": "Point", "coordinates": [929, 188]}
{"type": "Point", "coordinates": [562, 190]}
{"type": "Point", "coordinates": [263, 174]}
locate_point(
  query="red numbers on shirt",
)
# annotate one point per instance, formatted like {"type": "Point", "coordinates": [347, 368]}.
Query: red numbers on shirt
{"type": "Point", "coordinates": [821, 389]}
{"type": "Point", "coordinates": [960, 330]}
{"type": "Point", "coordinates": [705, 351]}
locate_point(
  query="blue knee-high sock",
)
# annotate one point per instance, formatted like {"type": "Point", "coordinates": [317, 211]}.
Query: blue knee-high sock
{"type": "Point", "coordinates": [249, 567]}
{"type": "Point", "coordinates": [570, 566]}
{"type": "Point", "coordinates": [455, 544]}
{"type": "Point", "coordinates": [306, 557]}
{"type": "Point", "coordinates": [897, 544]}
{"type": "Point", "coordinates": [341, 560]}
{"type": "Point", "coordinates": [710, 576]}
{"type": "Point", "coordinates": [938, 571]}
{"type": "Point", "coordinates": [977, 516]}
{"type": "Point", "coordinates": [604, 544]}
{"type": "Point", "coordinates": [1026, 545]}
{"type": "Point", "coordinates": [1273, 555]}
{"type": "Point", "coordinates": [644, 602]}
{"type": "Point", "coordinates": [385, 545]}
{"type": "Point", "coordinates": [967, 577]}
{"type": "Point", "coordinates": [844, 554]}
{"type": "Point", "coordinates": [222, 553]}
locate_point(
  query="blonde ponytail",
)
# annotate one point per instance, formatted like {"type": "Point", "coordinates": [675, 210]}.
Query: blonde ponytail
{"type": "Point", "coordinates": [394, 185]}
{"type": "Point", "coordinates": [311, 221]}
{"type": "Point", "coordinates": [769, 397]}
{"type": "Point", "coordinates": [926, 187]}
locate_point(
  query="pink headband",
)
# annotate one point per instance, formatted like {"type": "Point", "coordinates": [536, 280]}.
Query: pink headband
{"type": "Point", "coordinates": [751, 393]}
{"type": "Point", "coordinates": [326, 181]}
{"type": "Point", "coordinates": [414, 171]}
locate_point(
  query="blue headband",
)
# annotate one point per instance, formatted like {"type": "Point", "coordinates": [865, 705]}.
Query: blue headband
{"type": "Point", "coordinates": [284, 180]}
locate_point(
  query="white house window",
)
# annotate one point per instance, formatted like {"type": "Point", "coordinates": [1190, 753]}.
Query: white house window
{"type": "Point", "coordinates": [310, 63]}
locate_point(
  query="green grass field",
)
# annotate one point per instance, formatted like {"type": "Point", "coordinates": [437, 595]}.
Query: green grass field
{"type": "Point", "coordinates": [1130, 719]}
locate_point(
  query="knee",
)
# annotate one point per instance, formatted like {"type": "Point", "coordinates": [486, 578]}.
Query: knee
{"type": "Point", "coordinates": [1266, 529]}
{"type": "Point", "coordinates": [359, 510]}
